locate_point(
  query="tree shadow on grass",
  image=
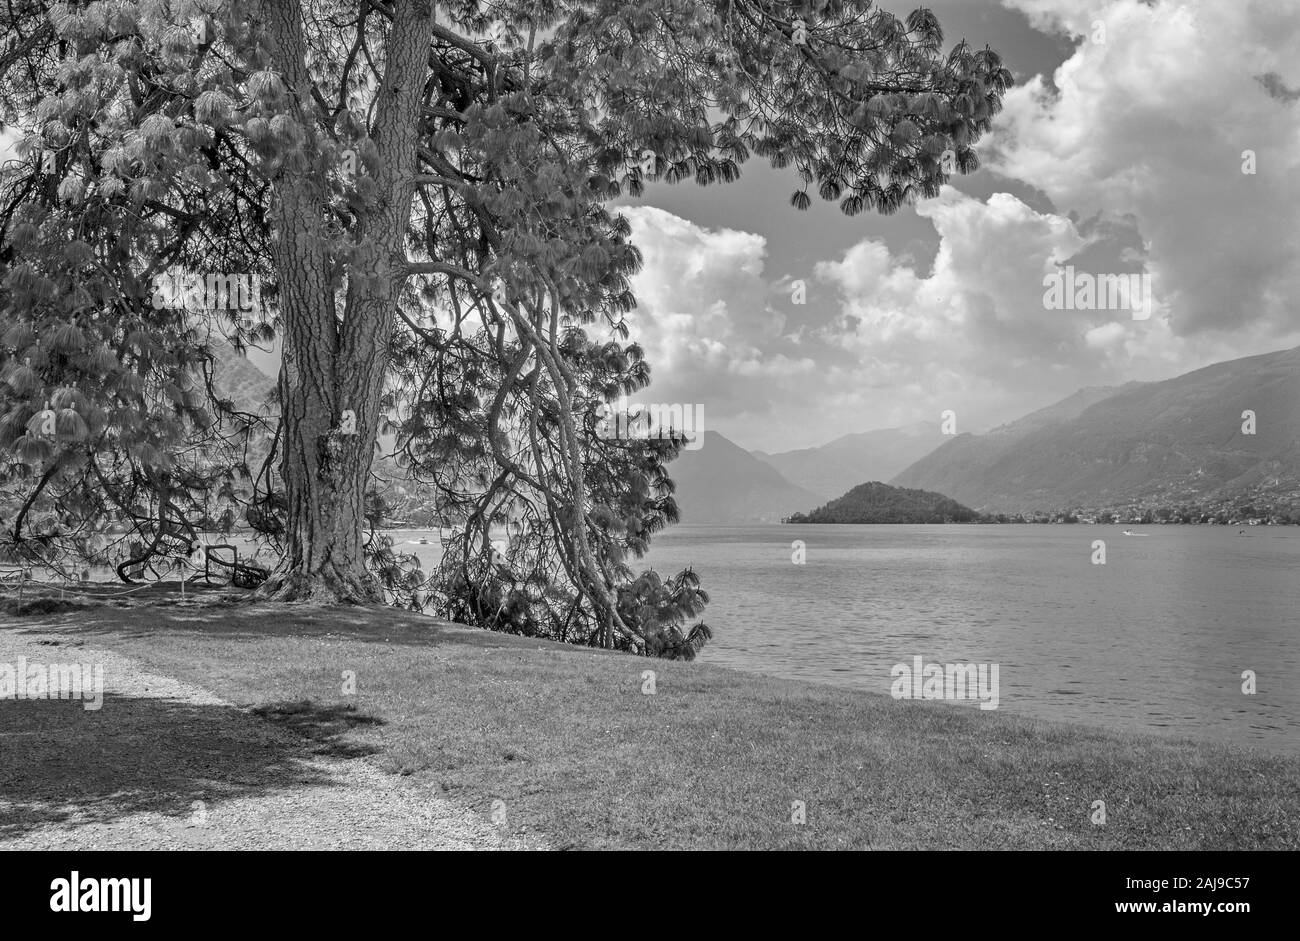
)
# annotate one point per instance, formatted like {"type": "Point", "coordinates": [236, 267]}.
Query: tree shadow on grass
{"type": "Point", "coordinates": [61, 764]}
{"type": "Point", "coordinates": [323, 724]}
{"type": "Point", "coordinates": [234, 617]}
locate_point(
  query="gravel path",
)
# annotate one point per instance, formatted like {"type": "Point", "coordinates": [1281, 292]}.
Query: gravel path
{"type": "Point", "coordinates": [169, 765]}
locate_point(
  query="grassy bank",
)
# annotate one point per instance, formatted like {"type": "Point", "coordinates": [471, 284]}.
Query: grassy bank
{"type": "Point", "coordinates": [578, 753]}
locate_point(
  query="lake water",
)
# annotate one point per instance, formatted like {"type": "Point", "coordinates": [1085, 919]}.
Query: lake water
{"type": "Point", "coordinates": [1154, 640]}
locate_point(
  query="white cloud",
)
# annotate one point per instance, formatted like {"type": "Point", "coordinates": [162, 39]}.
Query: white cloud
{"type": "Point", "coordinates": [972, 335]}
{"type": "Point", "coordinates": [1144, 132]}
{"type": "Point", "coordinates": [8, 145]}
{"type": "Point", "coordinates": [1153, 122]}
{"type": "Point", "coordinates": [707, 319]}
{"type": "Point", "coordinates": [891, 344]}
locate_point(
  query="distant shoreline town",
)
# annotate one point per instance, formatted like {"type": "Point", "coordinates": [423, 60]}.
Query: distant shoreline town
{"type": "Point", "coordinates": [876, 502]}
{"type": "Point", "coordinates": [1171, 517]}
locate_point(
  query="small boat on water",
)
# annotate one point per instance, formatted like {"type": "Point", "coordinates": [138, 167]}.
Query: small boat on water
{"type": "Point", "coordinates": [1129, 532]}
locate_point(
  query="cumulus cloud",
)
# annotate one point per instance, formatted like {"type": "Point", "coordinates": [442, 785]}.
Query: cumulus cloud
{"type": "Point", "coordinates": [879, 342]}
{"type": "Point", "coordinates": [882, 343]}
{"type": "Point", "coordinates": [1152, 122]}
{"type": "Point", "coordinates": [1136, 143]}
{"type": "Point", "coordinates": [973, 334]}
{"type": "Point", "coordinates": [8, 145]}
{"type": "Point", "coordinates": [709, 320]}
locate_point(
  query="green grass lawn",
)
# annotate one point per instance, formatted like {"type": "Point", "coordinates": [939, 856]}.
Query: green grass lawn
{"type": "Point", "coordinates": [714, 759]}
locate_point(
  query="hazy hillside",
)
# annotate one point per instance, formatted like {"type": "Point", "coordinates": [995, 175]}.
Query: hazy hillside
{"type": "Point", "coordinates": [875, 502]}
{"type": "Point", "coordinates": [849, 460]}
{"type": "Point", "coordinates": [723, 483]}
{"type": "Point", "coordinates": [240, 381]}
{"type": "Point", "coordinates": [1172, 440]}
{"type": "Point", "coordinates": [719, 483]}
{"type": "Point", "coordinates": [948, 468]}
{"type": "Point", "coordinates": [1068, 408]}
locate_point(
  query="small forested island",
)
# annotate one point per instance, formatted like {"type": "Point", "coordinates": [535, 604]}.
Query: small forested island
{"type": "Point", "coordinates": [875, 502]}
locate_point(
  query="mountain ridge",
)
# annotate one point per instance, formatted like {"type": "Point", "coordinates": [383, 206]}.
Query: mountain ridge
{"type": "Point", "coordinates": [831, 469]}
{"type": "Point", "coordinates": [721, 482]}
{"type": "Point", "coordinates": [1178, 439]}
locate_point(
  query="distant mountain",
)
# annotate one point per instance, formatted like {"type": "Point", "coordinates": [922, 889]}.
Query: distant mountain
{"type": "Point", "coordinates": [1068, 408]}
{"type": "Point", "coordinates": [849, 460]}
{"type": "Point", "coordinates": [721, 482]}
{"type": "Point", "coordinates": [238, 380]}
{"type": "Point", "coordinates": [1176, 440]}
{"type": "Point", "coordinates": [948, 468]}
{"type": "Point", "coordinates": [718, 483]}
{"type": "Point", "coordinates": [875, 502]}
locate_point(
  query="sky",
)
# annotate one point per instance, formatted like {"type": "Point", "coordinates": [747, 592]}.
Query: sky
{"type": "Point", "coordinates": [1118, 151]}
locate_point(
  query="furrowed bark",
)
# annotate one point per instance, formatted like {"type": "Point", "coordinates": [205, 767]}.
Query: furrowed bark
{"type": "Point", "coordinates": [333, 367]}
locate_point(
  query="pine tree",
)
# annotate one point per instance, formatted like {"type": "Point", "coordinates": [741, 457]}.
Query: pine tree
{"type": "Point", "coordinates": [424, 197]}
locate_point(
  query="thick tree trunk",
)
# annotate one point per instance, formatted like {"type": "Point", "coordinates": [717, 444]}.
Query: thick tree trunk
{"type": "Point", "coordinates": [334, 364]}
{"type": "Point", "coordinates": [325, 464]}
